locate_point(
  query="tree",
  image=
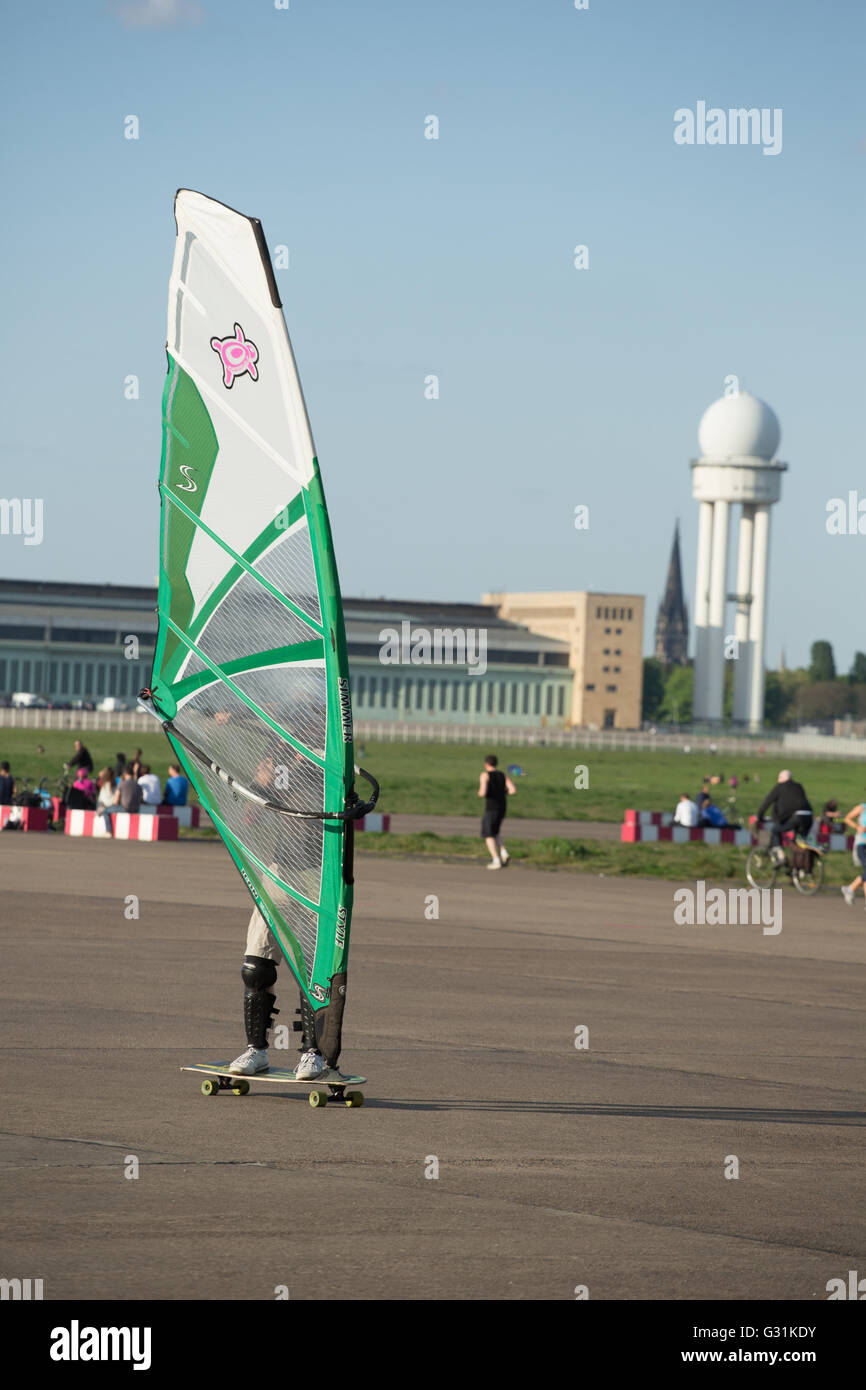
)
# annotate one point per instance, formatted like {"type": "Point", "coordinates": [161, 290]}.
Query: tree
{"type": "Point", "coordinates": [857, 674]}
{"type": "Point", "coordinates": [676, 707]}
{"type": "Point", "coordinates": [781, 695]}
{"type": "Point", "coordinates": [653, 687]}
{"type": "Point", "coordinates": [822, 667]}
{"type": "Point", "coordinates": [824, 700]}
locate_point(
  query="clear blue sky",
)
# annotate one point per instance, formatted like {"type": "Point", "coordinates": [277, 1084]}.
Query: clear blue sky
{"type": "Point", "coordinates": [411, 256]}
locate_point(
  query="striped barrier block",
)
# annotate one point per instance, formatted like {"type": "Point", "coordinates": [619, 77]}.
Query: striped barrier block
{"type": "Point", "coordinates": [190, 817]}
{"type": "Point", "coordinates": [654, 826]}
{"type": "Point", "coordinates": [28, 817]}
{"type": "Point", "coordinates": [125, 826]}
{"type": "Point", "coordinates": [375, 821]}
{"type": "Point", "coordinates": [632, 833]}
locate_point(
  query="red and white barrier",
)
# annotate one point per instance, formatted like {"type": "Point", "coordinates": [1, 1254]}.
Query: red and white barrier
{"type": "Point", "coordinates": [374, 821]}
{"type": "Point", "coordinates": [648, 818]}
{"type": "Point", "coordinates": [28, 817]}
{"type": "Point", "coordinates": [124, 826]}
{"type": "Point", "coordinates": [649, 826]}
{"type": "Point", "coordinates": [187, 816]}
{"type": "Point", "coordinates": [632, 832]}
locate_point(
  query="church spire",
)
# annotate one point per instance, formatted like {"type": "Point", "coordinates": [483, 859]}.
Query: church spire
{"type": "Point", "coordinates": [672, 624]}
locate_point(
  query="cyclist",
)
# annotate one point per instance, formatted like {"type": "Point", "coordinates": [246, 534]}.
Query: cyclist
{"type": "Point", "coordinates": [791, 811]}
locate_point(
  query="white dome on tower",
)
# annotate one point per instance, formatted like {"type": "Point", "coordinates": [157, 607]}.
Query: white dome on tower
{"type": "Point", "coordinates": [739, 426]}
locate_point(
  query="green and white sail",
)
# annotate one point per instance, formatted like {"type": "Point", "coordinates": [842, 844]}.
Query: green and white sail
{"type": "Point", "coordinates": [250, 676]}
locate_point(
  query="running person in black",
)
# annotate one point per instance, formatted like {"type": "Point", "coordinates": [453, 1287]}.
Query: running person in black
{"type": "Point", "coordinates": [495, 787]}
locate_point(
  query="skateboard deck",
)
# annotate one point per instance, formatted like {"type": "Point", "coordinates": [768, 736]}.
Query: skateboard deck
{"type": "Point", "coordinates": [331, 1085]}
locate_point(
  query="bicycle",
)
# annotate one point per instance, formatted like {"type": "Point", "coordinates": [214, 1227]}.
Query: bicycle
{"type": "Point", "coordinates": [803, 863]}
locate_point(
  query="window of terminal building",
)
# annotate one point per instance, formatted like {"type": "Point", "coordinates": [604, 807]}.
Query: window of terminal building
{"type": "Point", "coordinates": [610, 687]}
{"type": "Point", "coordinates": [617, 651]}
{"type": "Point", "coordinates": [560, 700]}
{"type": "Point", "coordinates": [607, 631]}
{"type": "Point", "coordinates": [383, 700]}
{"type": "Point", "coordinates": [598, 612]}
{"type": "Point", "coordinates": [2, 673]}
{"type": "Point", "coordinates": [609, 718]}
{"type": "Point", "coordinates": [590, 685]}
{"type": "Point", "coordinates": [38, 670]}
{"type": "Point", "coordinates": [536, 708]}
{"type": "Point", "coordinates": [616, 669]}
{"type": "Point", "coordinates": [490, 697]}
{"type": "Point", "coordinates": [526, 699]}
{"type": "Point", "coordinates": [374, 681]}
{"type": "Point", "coordinates": [629, 615]}
{"type": "Point", "coordinates": [467, 690]}
{"type": "Point", "coordinates": [25, 674]}
{"type": "Point", "coordinates": [88, 677]}
{"type": "Point", "coordinates": [408, 696]}
{"type": "Point", "coordinates": [513, 706]}
{"type": "Point", "coordinates": [605, 668]}
{"type": "Point", "coordinates": [606, 651]}
{"type": "Point", "coordinates": [13, 676]}
{"type": "Point", "coordinates": [548, 701]}
{"type": "Point", "coordinates": [503, 692]}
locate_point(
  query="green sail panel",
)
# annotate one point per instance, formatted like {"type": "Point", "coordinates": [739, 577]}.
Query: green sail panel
{"type": "Point", "coordinates": [250, 674]}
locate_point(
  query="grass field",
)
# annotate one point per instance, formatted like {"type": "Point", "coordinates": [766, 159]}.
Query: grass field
{"type": "Point", "coordinates": [443, 780]}
{"type": "Point", "coordinates": [679, 863]}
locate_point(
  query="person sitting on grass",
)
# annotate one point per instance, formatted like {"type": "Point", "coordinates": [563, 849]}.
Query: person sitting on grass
{"type": "Point", "coordinates": [856, 821]}
{"type": "Point", "coordinates": [176, 787]}
{"type": "Point", "coordinates": [127, 797]}
{"type": "Point", "coordinates": [686, 812]}
{"type": "Point", "coordinates": [82, 793]}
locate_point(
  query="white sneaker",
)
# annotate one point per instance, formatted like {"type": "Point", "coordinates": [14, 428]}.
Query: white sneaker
{"type": "Point", "coordinates": [504, 858]}
{"type": "Point", "coordinates": [496, 864]}
{"type": "Point", "coordinates": [251, 1062]}
{"type": "Point", "coordinates": [311, 1065]}
{"type": "Point", "coordinates": [778, 855]}
{"type": "Point", "coordinates": [848, 895]}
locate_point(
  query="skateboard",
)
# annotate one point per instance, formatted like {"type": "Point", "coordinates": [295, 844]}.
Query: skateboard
{"type": "Point", "coordinates": [219, 1078]}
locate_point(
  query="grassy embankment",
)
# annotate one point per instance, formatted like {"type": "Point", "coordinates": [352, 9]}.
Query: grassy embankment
{"type": "Point", "coordinates": [433, 779]}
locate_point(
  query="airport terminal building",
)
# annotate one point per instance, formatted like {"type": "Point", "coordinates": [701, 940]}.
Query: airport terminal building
{"type": "Point", "coordinates": [549, 660]}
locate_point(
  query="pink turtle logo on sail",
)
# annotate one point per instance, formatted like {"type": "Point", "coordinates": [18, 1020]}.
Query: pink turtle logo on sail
{"type": "Point", "coordinates": [238, 355]}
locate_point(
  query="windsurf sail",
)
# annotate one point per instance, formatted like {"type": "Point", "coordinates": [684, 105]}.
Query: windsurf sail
{"type": "Point", "coordinates": [250, 675]}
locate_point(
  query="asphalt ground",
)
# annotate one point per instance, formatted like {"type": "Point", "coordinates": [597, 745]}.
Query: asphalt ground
{"type": "Point", "coordinates": [557, 1167]}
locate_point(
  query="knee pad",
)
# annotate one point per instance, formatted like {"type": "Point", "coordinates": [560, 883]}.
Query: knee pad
{"type": "Point", "coordinates": [258, 973]}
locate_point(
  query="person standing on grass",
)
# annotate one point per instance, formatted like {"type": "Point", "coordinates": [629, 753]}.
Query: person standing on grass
{"type": "Point", "coordinates": [495, 788]}
{"type": "Point", "coordinates": [7, 785]}
{"type": "Point", "coordinates": [856, 821]}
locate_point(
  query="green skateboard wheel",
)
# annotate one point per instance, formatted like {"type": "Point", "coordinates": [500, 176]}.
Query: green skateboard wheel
{"type": "Point", "coordinates": [241, 1088]}
{"type": "Point", "coordinates": [318, 1098]}
{"type": "Point", "coordinates": [354, 1098]}
{"type": "Point", "coordinates": [209, 1088]}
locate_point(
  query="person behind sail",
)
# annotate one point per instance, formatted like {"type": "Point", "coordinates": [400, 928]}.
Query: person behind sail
{"type": "Point", "coordinates": [259, 974]}
{"type": "Point", "coordinates": [495, 787]}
